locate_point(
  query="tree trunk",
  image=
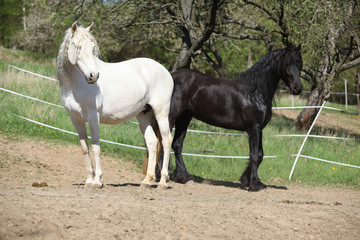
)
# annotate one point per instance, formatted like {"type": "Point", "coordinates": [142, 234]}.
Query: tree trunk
{"type": "Point", "coordinates": [307, 115]}
{"type": "Point", "coordinates": [184, 59]}
{"type": "Point", "coordinates": [195, 31]}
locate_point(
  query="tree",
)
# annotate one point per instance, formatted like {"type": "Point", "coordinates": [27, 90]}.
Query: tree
{"type": "Point", "coordinates": [39, 33]}
{"type": "Point", "coordinates": [328, 30]}
{"type": "Point", "coordinates": [338, 53]}
{"type": "Point", "coordinates": [196, 23]}
{"type": "Point", "coordinates": [190, 21]}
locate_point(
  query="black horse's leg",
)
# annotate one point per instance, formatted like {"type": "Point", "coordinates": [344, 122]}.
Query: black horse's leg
{"type": "Point", "coordinates": [245, 178]}
{"type": "Point", "coordinates": [159, 166]}
{"type": "Point", "coordinates": [180, 173]}
{"type": "Point", "coordinates": [250, 178]}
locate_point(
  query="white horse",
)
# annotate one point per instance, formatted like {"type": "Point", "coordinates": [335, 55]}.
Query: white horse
{"type": "Point", "coordinates": [97, 92]}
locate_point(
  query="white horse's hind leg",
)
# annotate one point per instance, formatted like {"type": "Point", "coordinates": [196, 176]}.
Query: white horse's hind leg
{"type": "Point", "coordinates": [81, 130]}
{"type": "Point", "coordinates": [151, 143]}
{"type": "Point", "coordinates": [163, 122]}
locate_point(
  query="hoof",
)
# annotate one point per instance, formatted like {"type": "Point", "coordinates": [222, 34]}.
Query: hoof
{"type": "Point", "coordinates": [163, 186]}
{"type": "Point", "coordinates": [88, 185]}
{"type": "Point", "coordinates": [244, 182]}
{"type": "Point", "coordinates": [190, 183]}
{"type": "Point", "coordinates": [97, 186]}
{"type": "Point", "coordinates": [145, 185]}
{"type": "Point", "coordinates": [257, 187]}
{"type": "Point", "coordinates": [244, 186]}
{"type": "Point", "coordinates": [181, 177]}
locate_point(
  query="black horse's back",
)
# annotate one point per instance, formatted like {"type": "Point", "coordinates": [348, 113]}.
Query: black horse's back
{"type": "Point", "coordinates": [208, 99]}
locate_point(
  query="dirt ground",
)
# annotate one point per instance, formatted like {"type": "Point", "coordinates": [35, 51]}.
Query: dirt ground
{"type": "Point", "coordinates": [61, 208]}
{"type": "Point", "coordinates": [347, 124]}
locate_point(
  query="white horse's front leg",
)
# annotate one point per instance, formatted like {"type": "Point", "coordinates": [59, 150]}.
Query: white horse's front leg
{"type": "Point", "coordinates": [87, 160]}
{"type": "Point", "coordinates": [94, 126]}
{"type": "Point", "coordinates": [81, 130]}
{"type": "Point", "coordinates": [98, 172]}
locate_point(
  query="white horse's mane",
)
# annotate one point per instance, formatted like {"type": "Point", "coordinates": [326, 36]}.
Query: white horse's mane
{"type": "Point", "coordinates": [63, 63]}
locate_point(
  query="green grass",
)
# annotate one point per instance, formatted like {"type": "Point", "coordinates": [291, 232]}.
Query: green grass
{"type": "Point", "coordinates": [271, 170]}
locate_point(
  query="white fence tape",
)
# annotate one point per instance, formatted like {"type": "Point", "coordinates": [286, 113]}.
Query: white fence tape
{"type": "Point", "coordinates": [185, 154]}
{"type": "Point", "coordinates": [120, 144]}
{"type": "Point", "coordinates": [32, 98]}
{"type": "Point", "coordinates": [131, 146]}
{"type": "Point", "coordinates": [327, 161]}
{"type": "Point", "coordinates": [69, 132]}
{"type": "Point", "coordinates": [35, 74]}
{"type": "Point", "coordinates": [275, 135]}
{"type": "Point", "coordinates": [301, 107]}
{"type": "Point", "coordinates": [191, 130]}
{"type": "Point", "coordinates": [297, 107]}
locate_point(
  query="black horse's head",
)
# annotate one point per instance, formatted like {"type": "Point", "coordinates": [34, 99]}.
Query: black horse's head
{"type": "Point", "coordinates": [290, 67]}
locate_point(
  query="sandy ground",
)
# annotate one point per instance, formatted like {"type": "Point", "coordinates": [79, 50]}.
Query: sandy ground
{"type": "Point", "coordinates": [61, 208]}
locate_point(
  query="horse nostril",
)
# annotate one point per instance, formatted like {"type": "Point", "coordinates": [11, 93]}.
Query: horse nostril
{"type": "Point", "coordinates": [297, 89]}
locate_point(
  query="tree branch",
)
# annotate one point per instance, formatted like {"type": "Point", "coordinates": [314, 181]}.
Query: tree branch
{"type": "Point", "coordinates": [271, 16]}
{"type": "Point", "coordinates": [209, 24]}
{"type": "Point", "coordinates": [118, 6]}
{"type": "Point", "coordinates": [240, 36]}
{"type": "Point", "coordinates": [253, 26]}
{"type": "Point", "coordinates": [350, 64]}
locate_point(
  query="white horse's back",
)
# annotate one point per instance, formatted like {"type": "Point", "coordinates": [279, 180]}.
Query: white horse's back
{"type": "Point", "coordinates": [132, 84]}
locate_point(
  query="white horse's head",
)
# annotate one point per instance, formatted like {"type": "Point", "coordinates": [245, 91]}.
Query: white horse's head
{"type": "Point", "coordinates": [83, 52]}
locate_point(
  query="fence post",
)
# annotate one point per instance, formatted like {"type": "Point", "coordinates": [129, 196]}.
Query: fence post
{"type": "Point", "coordinates": [346, 99]}
{"type": "Point", "coordinates": [306, 137]}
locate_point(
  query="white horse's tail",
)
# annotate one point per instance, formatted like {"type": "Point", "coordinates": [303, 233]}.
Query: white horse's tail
{"type": "Point", "coordinates": [159, 147]}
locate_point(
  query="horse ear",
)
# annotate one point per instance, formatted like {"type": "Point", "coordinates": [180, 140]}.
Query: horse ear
{"type": "Point", "coordinates": [90, 28]}
{"type": "Point", "coordinates": [74, 26]}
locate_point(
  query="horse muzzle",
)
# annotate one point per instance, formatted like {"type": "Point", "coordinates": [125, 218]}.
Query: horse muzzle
{"type": "Point", "coordinates": [296, 90]}
{"type": "Point", "coordinates": [93, 78]}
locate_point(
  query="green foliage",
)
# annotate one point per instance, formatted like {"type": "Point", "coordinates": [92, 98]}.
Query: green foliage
{"type": "Point", "coordinates": [10, 20]}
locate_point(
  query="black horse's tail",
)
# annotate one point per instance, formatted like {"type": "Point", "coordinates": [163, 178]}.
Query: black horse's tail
{"type": "Point", "coordinates": [159, 147]}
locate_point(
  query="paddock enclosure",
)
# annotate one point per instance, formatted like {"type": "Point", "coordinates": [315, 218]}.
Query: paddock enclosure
{"type": "Point", "coordinates": [42, 195]}
{"type": "Point", "coordinates": [63, 209]}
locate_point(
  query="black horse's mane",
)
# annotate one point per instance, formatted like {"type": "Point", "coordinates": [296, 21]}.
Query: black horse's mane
{"type": "Point", "coordinates": [262, 76]}
{"type": "Point", "coordinates": [264, 69]}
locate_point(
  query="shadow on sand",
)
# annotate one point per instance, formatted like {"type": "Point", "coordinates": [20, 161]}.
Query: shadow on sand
{"type": "Point", "coordinates": [229, 184]}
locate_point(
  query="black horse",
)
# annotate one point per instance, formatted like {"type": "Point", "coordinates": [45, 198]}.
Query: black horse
{"type": "Point", "coordinates": [243, 103]}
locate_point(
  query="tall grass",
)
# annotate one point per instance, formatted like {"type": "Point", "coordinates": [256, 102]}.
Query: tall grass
{"type": "Point", "coordinates": [271, 170]}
